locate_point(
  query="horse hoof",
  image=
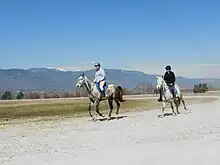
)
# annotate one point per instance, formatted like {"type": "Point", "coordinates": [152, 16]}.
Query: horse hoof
{"type": "Point", "coordinates": [101, 115]}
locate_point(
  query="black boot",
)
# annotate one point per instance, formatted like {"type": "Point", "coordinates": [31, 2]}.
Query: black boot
{"type": "Point", "coordinates": [103, 94]}
{"type": "Point", "coordinates": [160, 98]}
{"type": "Point", "coordinates": [173, 93]}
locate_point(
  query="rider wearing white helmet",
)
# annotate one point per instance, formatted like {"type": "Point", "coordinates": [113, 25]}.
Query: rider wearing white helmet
{"type": "Point", "coordinates": [100, 77]}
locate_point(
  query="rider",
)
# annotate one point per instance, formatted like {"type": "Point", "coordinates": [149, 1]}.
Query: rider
{"type": "Point", "coordinates": [170, 79]}
{"type": "Point", "coordinates": [100, 77]}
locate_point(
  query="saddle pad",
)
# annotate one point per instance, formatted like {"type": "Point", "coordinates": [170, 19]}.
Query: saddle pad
{"type": "Point", "coordinates": [98, 87]}
{"type": "Point", "coordinates": [175, 91]}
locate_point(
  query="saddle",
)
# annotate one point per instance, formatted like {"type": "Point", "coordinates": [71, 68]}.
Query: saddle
{"type": "Point", "coordinates": [105, 87]}
{"type": "Point", "coordinates": [173, 89]}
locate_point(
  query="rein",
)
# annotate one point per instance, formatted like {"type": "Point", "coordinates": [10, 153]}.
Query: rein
{"type": "Point", "coordinates": [87, 87]}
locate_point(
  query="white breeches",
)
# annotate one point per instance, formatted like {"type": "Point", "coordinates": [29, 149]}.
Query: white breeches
{"type": "Point", "coordinates": [101, 85]}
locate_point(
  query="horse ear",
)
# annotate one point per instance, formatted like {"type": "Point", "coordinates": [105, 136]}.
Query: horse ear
{"type": "Point", "coordinates": [157, 76]}
{"type": "Point", "coordinates": [83, 74]}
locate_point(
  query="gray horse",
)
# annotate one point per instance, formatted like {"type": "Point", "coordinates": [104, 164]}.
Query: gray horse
{"type": "Point", "coordinates": [168, 97]}
{"type": "Point", "coordinates": [112, 93]}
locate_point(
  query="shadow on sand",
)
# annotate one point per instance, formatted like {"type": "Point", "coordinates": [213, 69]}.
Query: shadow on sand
{"type": "Point", "coordinates": [165, 115]}
{"type": "Point", "coordinates": [112, 118]}
{"type": "Point", "coordinates": [171, 114]}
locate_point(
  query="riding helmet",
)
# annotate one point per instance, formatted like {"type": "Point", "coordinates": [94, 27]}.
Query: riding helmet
{"type": "Point", "coordinates": [97, 64]}
{"type": "Point", "coordinates": [168, 67]}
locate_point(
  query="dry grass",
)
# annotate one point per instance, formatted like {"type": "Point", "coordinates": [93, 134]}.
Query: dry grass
{"type": "Point", "coordinates": [73, 108]}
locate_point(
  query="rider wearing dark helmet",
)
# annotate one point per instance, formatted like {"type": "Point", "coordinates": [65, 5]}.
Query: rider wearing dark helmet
{"type": "Point", "coordinates": [170, 79]}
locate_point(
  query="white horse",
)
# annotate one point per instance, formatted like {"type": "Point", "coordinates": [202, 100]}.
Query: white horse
{"type": "Point", "coordinates": [167, 96]}
{"type": "Point", "coordinates": [112, 93]}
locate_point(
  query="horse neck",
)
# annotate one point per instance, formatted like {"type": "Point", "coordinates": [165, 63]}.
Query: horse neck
{"type": "Point", "coordinates": [165, 86]}
{"type": "Point", "coordinates": [88, 84]}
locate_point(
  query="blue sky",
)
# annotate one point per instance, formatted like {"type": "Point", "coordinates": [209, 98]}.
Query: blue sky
{"type": "Point", "coordinates": [143, 35]}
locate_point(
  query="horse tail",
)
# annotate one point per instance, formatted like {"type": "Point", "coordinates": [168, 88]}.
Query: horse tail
{"type": "Point", "coordinates": [120, 93]}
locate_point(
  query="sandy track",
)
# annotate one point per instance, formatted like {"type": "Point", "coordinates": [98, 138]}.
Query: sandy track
{"type": "Point", "coordinates": [139, 139]}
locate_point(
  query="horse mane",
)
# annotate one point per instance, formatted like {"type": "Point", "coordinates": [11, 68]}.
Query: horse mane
{"type": "Point", "coordinates": [89, 82]}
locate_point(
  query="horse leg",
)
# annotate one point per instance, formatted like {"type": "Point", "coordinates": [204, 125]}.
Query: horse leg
{"type": "Point", "coordinates": [90, 107]}
{"type": "Point", "coordinates": [118, 106]}
{"type": "Point", "coordinates": [97, 108]}
{"type": "Point", "coordinates": [177, 108]}
{"type": "Point", "coordinates": [171, 105]}
{"type": "Point", "coordinates": [184, 105]}
{"type": "Point", "coordinates": [163, 108]}
{"type": "Point", "coordinates": [110, 102]}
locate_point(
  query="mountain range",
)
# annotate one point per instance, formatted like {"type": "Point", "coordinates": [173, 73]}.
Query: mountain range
{"type": "Point", "coordinates": [55, 79]}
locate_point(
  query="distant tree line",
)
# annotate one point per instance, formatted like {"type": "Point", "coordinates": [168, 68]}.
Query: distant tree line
{"type": "Point", "coordinates": [60, 94]}
{"type": "Point", "coordinates": [7, 95]}
{"type": "Point", "coordinates": [144, 88]}
{"type": "Point", "coordinates": [39, 95]}
{"type": "Point", "coordinates": [200, 88]}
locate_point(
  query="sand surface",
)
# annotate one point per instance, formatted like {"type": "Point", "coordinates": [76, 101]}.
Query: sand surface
{"type": "Point", "coordinates": [138, 139]}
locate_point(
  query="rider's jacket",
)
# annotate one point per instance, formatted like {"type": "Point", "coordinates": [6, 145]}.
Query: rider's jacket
{"type": "Point", "coordinates": [99, 75]}
{"type": "Point", "coordinates": [169, 78]}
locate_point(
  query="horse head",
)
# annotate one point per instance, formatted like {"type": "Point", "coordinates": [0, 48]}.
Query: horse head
{"type": "Point", "coordinates": [80, 81]}
{"type": "Point", "coordinates": [160, 82]}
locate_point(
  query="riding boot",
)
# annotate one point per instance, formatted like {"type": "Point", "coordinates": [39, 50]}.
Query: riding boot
{"type": "Point", "coordinates": [173, 93]}
{"type": "Point", "coordinates": [103, 93]}
{"type": "Point", "coordinates": [160, 98]}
